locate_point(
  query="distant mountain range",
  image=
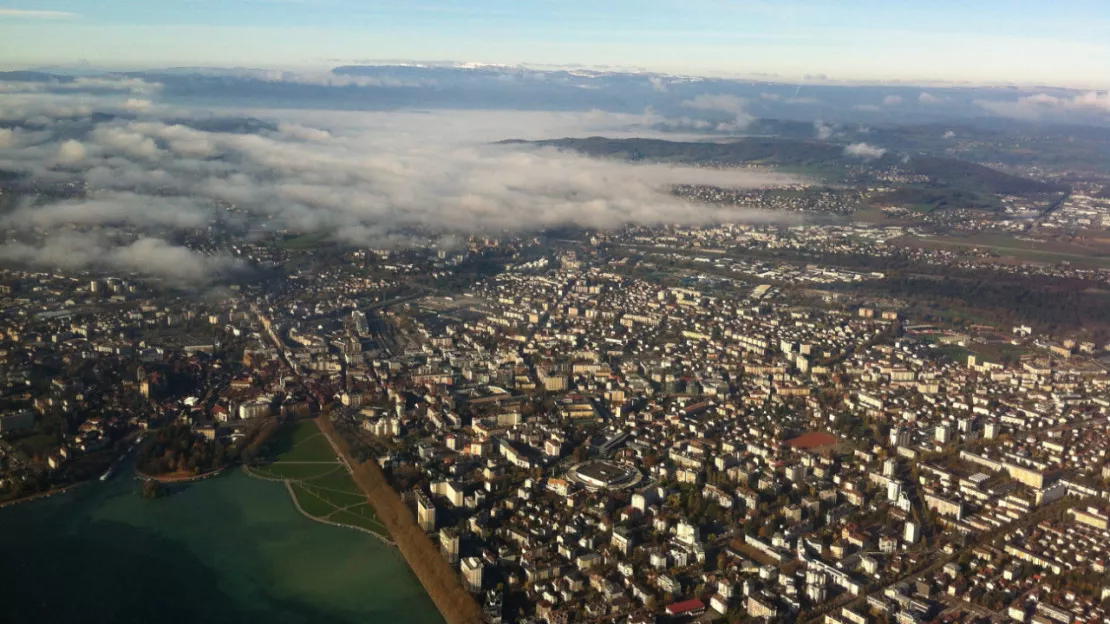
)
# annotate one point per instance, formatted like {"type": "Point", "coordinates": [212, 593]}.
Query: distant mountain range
{"type": "Point", "coordinates": [663, 96]}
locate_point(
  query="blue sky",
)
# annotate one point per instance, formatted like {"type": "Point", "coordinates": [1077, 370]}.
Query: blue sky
{"type": "Point", "coordinates": [1064, 42]}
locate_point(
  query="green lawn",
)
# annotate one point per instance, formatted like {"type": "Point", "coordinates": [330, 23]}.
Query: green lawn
{"type": "Point", "coordinates": [354, 519]}
{"type": "Point", "coordinates": [337, 499]}
{"type": "Point", "coordinates": [339, 480]}
{"type": "Point", "coordinates": [324, 490]}
{"type": "Point", "coordinates": [292, 434]}
{"type": "Point", "coordinates": [316, 449]}
{"type": "Point", "coordinates": [310, 503]}
{"type": "Point", "coordinates": [364, 510]}
{"type": "Point", "coordinates": [310, 240]}
{"type": "Point", "coordinates": [955, 352]}
{"type": "Point", "coordinates": [338, 507]}
{"type": "Point", "coordinates": [297, 472]}
{"type": "Point", "coordinates": [299, 441]}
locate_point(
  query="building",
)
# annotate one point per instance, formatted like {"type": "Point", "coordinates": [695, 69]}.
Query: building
{"type": "Point", "coordinates": [351, 399]}
{"type": "Point", "coordinates": [553, 379]}
{"type": "Point", "coordinates": [1028, 476]}
{"type": "Point", "coordinates": [911, 533]}
{"type": "Point", "coordinates": [899, 436]}
{"type": "Point", "coordinates": [943, 434]}
{"type": "Point", "coordinates": [687, 532]}
{"type": "Point", "coordinates": [259, 408]}
{"type": "Point", "coordinates": [362, 327]}
{"type": "Point", "coordinates": [686, 608]}
{"type": "Point", "coordinates": [762, 607]}
{"type": "Point", "coordinates": [1091, 517]}
{"type": "Point", "coordinates": [449, 544]}
{"type": "Point", "coordinates": [991, 430]}
{"type": "Point", "coordinates": [472, 570]}
{"type": "Point", "coordinates": [425, 512]}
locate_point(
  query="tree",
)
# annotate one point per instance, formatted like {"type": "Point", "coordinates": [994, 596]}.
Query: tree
{"type": "Point", "coordinates": [151, 489]}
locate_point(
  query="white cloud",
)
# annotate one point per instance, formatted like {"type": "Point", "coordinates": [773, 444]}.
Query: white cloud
{"type": "Point", "coordinates": [725, 104]}
{"type": "Point", "coordinates": [657, 84]}
{"type": "Point", "coordinates": [948, 134]}
{"type": "Point", "coordinates": [1092, 100]}
{"type": "Point", "coordinates": [929, 98]}
{"type": "Point", "coordinates": [123, 141]}
{"type": "Point", "coordinates": [103, 208]}
{"type": "Point", "coordinates": [368, 176]}
{"type": "Point", "coordinates": [864, 151]}
{"type": "Point", "coordinates": [113, 83]}
{"type": "Point", "coordinates": [7, 138]}
{"type": "Point", "coordinates": [71, 152]}
{"type": "Point", "coordinates": [304, 132]}
{"type": "Point", "coordinates": [892, 100]}
{"type": "Point", "coordinates": [136, 104]}
{"type": "Point", "coordinates": [83, 84]}
{"type": "Point", "coordinates": [824, 130]}
{"type": "Point", "coordinates": [144, 256]}
{"type": "Point", "coordinates": [33, 14]}
{"type": "Point", "coordinates": [1044, 105]}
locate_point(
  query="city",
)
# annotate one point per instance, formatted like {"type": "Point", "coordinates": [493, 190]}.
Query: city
{"type": "Point", "coordinates": [597, 431]}
{"type": "Point", "coordinates": [488, 312]}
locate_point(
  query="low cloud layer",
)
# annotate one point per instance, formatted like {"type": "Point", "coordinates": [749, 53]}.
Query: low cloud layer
{"type": "Point", "coordinates": [728, 104]}
{"type": "Point", "coordinates": [1043, 105]}
{"type": "Point", "coordinates": [84, 84]}
{"type": "Point", "coordinates": [366, 177]}
{"type": "Point", "coordinates": [34, 14]}
{"type": "Point", "coordinates": [143, 256]}
{"type": "Point", "coordinates": [864, 151]}
{"type": "Point", "coordinates": [111, 208]}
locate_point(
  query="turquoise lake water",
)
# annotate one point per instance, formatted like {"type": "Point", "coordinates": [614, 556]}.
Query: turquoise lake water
{"type": "Point", "coordinates": [229, 549]}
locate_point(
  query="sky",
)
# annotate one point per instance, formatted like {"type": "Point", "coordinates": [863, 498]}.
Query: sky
{"type": "Point", "coordinates": [1060, 42]}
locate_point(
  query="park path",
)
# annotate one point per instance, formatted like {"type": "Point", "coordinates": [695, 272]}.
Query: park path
{"type": "Point", "coordinates": [292, 494]}
{"type": "Point", "coordinates": [297, 504]}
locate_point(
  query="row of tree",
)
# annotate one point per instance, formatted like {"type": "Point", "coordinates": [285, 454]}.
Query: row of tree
{"type": "Point", "coordinates": [439, 579]}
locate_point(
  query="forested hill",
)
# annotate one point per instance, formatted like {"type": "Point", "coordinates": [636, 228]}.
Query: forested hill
{"type": "Point", "coordinates": [942, 172]}
{"type": "Point", "coordinates": [766, 150]}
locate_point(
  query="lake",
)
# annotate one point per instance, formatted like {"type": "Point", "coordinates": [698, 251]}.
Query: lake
{"type": "Point", "coordinates": [228, 549]}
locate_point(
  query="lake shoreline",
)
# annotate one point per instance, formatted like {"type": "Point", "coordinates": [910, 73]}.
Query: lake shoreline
{"type": "Point", "coordinates": [440, 581]}
{"type": "Point", "coordinates": [40, 495]}
{"type": "Point", "coordinates": [180, 479]}
{"type": "Point", "coordinates": [237, 542]}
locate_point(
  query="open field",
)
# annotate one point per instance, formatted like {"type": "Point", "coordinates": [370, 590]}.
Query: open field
{"type": "Point", "coordinates": [360, 516]}
{"type": "Point", "coordinates": [1009, 247]}
{"type": "Point", "coordinates": [304, 242]}
{"type": "Point", "coordinates": [299, 441]}
{"type": "Point", "coordinates": [295, 472]}
{"type": "Point", "coordinates": [300, 455]}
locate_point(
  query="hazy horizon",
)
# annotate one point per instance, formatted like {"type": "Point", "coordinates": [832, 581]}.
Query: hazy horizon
{"type": "Point", "coordinates": [993, 42]}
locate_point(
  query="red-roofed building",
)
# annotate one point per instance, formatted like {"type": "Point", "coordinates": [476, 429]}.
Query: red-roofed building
{"type": "Point", "coordinates": [690, 607]}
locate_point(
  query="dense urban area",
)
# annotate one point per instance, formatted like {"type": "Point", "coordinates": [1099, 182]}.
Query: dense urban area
{"type": "Point", "coordinates": [874, 391]}
{"type": "Point", "coordinates": [737, 421]}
